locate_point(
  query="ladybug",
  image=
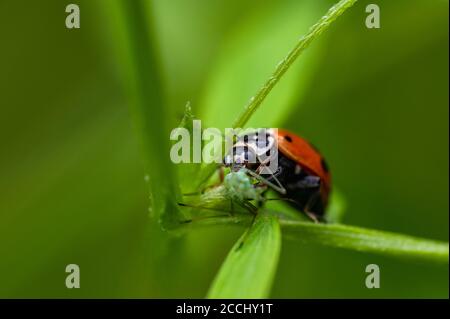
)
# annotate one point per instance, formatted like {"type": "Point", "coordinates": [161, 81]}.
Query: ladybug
{"type": "Point", "coordinates": [301, 177]}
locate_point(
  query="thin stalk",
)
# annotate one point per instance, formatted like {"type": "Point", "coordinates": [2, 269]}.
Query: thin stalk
{"type": "Point", "coordinates": [367, 240]}
{"type": "Point", "coordinates": [148, 108]}
{"type": "Point", "coordinates": [351, 238]}
{"type": "Point", "coordinates": [317, 29]}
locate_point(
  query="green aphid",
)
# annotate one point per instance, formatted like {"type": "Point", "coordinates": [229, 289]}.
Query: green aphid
{"type": "Point", "coordinates": [241, 187]}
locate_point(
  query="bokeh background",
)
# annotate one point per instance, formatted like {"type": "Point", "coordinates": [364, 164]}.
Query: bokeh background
{"type": "Point", "coordinates": [72, 186]}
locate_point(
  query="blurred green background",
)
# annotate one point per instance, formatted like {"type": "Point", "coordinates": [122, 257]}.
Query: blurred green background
{"type": "Point", "coordinates": [72, 186]}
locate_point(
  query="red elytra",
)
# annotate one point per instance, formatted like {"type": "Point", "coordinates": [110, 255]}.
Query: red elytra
{"type": "Point", "coordinates": [302, 153]}
{"type": "Point", "coordinates": [301, 177]}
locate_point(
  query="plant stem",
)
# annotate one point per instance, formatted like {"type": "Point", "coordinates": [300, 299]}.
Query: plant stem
{"type": "Point", "coordinates": [332, 14]}
{"type": "Point", "coordinates": [352, 238]}
{"type": "Point", "coordinates": [367, 240]}
{"type": "Point", "coordinates": [147, 108]}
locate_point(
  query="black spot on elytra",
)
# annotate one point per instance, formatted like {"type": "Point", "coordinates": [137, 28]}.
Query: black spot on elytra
{"type": "Point", "coordinates": [324, 165]}
{"type": "Point", "coordinates": [288, 138]}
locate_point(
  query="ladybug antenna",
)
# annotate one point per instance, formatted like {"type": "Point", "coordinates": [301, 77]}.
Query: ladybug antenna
{"type": "Point", "coordinates": [263, 180]}
{"type": "Point", "coordinates": [280, 188]}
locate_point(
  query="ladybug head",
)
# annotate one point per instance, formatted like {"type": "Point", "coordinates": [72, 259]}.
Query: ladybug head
{"type": "Point", "coordinates": [241, 156]}
{"type": "Point", "coordinates": [250, 149]}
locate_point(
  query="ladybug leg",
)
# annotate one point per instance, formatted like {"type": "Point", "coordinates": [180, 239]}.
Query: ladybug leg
{"type": "Point", "coordinates": [311, 202]}
{"type": "Point", "coordinates": [263, 180]}
{"type": "Point", "coordinates": [312, 216]}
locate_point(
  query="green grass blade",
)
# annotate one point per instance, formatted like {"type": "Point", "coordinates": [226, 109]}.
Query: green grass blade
{"type": "Point", "coordinates": [332, 14]}
{"type": "Point", "coordinates": [148, 107]}
{"type": "Point", "coordinates": [276, 26]}
{"type": "Point", "coordinates": [250, 266]}
{"type": "Point", "coordinates": [350, 237]}
{"type": "Point", "coordinates": [367, 240]}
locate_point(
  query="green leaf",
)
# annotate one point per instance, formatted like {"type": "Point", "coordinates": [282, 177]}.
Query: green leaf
{"type": "Point", "coordinates": [250, 266]}
{"type": "Point", "coordinates": [367, 240]}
